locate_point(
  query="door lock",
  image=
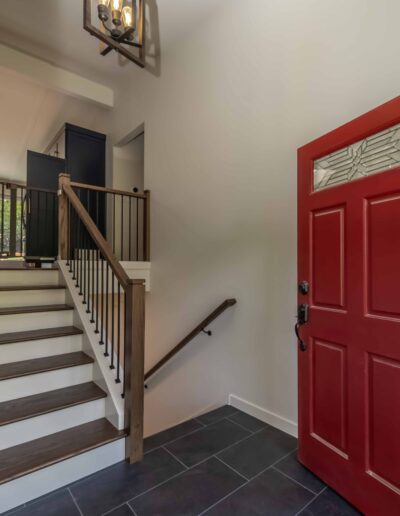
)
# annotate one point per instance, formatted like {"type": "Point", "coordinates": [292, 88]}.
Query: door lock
{"type": "Point", "coordinates": [304, 287]}
{"type": "Point", "coordinates": [302, 318]}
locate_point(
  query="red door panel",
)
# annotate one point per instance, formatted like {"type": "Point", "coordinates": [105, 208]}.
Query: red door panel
{"type": "Point", "coordinates": [349, 375]}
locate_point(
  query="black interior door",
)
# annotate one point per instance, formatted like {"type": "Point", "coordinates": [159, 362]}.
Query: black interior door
{"type": "Point", "coordinates": [42, 205]}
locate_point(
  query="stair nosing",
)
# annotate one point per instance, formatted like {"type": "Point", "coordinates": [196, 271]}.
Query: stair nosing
{"type": "Point", "coordinates": [20, 337]}
{"type": "Point", "coordinates": [100, 395]}
{"type": "Point", "coordinates": [16, 310]}
{"type": "Point", "coordinates": [85, 361]}
{"type": "Point", "coordinates": [119, 434]}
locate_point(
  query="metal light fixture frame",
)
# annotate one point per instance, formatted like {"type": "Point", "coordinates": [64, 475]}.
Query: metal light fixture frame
{"type": "Point", "coordinates": [118, 43]}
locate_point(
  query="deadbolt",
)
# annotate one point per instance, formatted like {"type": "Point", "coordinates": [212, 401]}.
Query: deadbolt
{"type": "Point", "coordinates": [304, 287]}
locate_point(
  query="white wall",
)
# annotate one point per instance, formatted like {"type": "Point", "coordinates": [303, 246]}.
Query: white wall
{"type": "Point", "coordinates": [234, 101]}
{"type": "Point", "coordinates": [31, 115]}
{"type": "Point", "coordinates": [128, 165]}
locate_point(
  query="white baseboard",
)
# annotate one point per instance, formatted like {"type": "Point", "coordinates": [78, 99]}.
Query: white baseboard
{"type": "Point", "coordinates": [280, 422]}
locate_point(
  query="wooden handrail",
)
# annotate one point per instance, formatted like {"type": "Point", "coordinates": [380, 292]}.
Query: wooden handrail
{"type": "Point", "coordinates": [107, 190]}
{"type": "Point", "coordinates": [199, 328]}
{"type": "Point", "coordinates": [92, 229]}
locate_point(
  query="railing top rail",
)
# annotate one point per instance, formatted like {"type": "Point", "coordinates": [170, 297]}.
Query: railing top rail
{"type": "Point", "coordinates": [107, 190]}
{"type": "Point", "coordinates": [11, 184]}
{"type": "Point", "coordinates": [199, 328]}
{"type": "Point", "coordinates": [98, 238]}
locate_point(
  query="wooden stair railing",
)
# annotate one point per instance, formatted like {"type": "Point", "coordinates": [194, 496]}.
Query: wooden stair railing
{"type": "Point", "coordinates": [99, 275]}
{"type": "Point", "coordinates": [199, 328]}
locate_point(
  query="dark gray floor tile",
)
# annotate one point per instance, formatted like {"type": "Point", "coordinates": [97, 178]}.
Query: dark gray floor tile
{"type": "Point", "coordinates": [106, 490]}
{"type": "Point", "coordinates": [251, 423]}
{"type": "Point", "coordinates": [189, 493]}
{"type": "Point", "coordinates": [292, 467]}
{"type": "Point", "coordinates": [330, 503]}
{"type": "Point", "coordinates": [56, 504]}
{"type": "Point", "coordinates": [206, 442]}
{"type": "Point", "coordinates": [268, 494]}
{"type": "Point", "coordinates": [217, 414]}
{"type": "Point", "coordinates": [166, 436]}
{"type": "Point", "coordinates": [259, 451]}
{"type": "Point", "coordinates": [124, 510]}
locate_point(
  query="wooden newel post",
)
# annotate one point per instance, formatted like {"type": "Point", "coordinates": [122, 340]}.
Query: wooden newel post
{"type": "Point", "coordinates": [134, 368]}
{"type": "Point", "coordinates": [63, 229]}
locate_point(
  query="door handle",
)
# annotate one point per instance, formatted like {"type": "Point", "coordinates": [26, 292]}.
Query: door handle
{"type": "Point", "coordinates": [302, 318]}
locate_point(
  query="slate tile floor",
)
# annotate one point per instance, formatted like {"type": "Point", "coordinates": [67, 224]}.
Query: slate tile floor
{"type": "Point", "coordinates": [224, 463]}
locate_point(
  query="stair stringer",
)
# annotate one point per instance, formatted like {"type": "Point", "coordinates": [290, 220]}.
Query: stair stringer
{"type": "Point", "coordinates": [103, 376]}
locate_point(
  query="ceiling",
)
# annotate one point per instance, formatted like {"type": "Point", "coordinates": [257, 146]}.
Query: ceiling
{"type": "Point", "coordinates": [31, 115]}
{"type": "Point", "coordinates": [52, 30]}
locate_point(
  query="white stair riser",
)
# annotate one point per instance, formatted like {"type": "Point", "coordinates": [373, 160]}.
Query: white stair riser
{"type": "Point", "coordinates": [46, 424]}
{"type": "Point", "coordinates": [28, 350]}
{"type": "Point", "coordinates": [26, 277]}
{"type": "Point", "coordinates": [29, 487]}
{"type": "Point", "coordinates": [43, 382]}
{"type": "Point", "coordinates": [35, 321]}
{"type": "Point", "coordinates": [32, 297]}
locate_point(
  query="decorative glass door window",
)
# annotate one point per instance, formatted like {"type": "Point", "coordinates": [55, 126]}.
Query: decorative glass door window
{"type": "Point", "coordinates": [374, 154]}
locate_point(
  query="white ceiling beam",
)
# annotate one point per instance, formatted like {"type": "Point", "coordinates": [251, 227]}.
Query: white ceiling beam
{"type": "Point", "coordinates": [55, 78]}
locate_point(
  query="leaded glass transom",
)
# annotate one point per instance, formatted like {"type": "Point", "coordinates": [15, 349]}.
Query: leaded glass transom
{"type": "Point", "coordinates": [374, 154]}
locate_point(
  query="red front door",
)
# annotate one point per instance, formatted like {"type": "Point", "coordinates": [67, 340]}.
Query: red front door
{"type": "Point", "coordinates": [349, 253]}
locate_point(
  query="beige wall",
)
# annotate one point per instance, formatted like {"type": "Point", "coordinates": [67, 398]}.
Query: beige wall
{"type": "Point", "coordinates": [234, 101]}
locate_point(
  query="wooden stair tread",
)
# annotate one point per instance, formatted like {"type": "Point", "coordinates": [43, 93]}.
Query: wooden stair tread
{"type": "Point", "coordinates": [45, 333]}
{"type": "Point", "coordinates": [34, 309]}
{"type": "Point", "coordinates": [42, 365]}
{"type": "Point", "coordinates": [13, 288]}
{"type": "Point", "coordinates": [26, 458]}
{"type": "Point", "coordinates": [39, 404]}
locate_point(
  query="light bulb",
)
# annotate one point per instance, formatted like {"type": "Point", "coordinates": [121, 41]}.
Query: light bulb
{"type": "Point", "coordinates": [102, 9]}
{"type": "Point", "coordinates": [127, 18]}
{"type": "Point", "coordinates": [116, 5]}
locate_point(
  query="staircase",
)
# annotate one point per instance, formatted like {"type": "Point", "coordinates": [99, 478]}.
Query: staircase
{"type": "Point", "coordinates": [53, 428]}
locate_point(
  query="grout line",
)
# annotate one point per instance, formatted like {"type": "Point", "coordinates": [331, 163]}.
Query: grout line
{"type": "Point", "coordinates": [310, 502]}
{"type": "Point", "coordinates": [244, 428]}
{"type": "Point", "coordinates": [173, 440]}
{"type": "Point", "coordinates": [230, 467]}
{"type": "Point", "coordinates": [294, 480]}
{"type": "Point", "coordinates": [155, 487]}
{"type": "Point", "coordinates": [200, 422]}
{"type": "Point", "coordinates": [133, 512]}
{"type": "Point", "coordinates": [117, 507]}
{"type": "Point", "coordinates": [245, 484]}
{"type": "Point", "coordinates": [175, 457]}
{"type": "Point", "coordinates": [74, 500]}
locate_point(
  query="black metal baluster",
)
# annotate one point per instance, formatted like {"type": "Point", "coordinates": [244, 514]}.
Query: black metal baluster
{"type": "Point", "coordinates": [102, 302]}
{"type": "Point", "coordinates": [106, 354]}
{"type": "Point", "coordinates": [21, 217]}
{"type": "Point", "coordinates": [84, 264]}
{"type": "Point", "coordinates": [137, 229]}
{"type": "Point", "coordinates": [78, 253]}
{"type": "Point", "coordinates": [72, 231]}
{"type": "Point", "coordinates": [112, 322]}
{"type": "Point", "coordinates": [81, 260]}
{"type": "Point", "coordinates": [113, 222]}
{"type": "Point", "coordinates": [97, 291]}
{"type": "Point", "coordinates": [118, 331]}
{"type": "Point", "coordinates": [87, 269]}
{"type": "Point", "coordinates": [122, 227]}
{"type": "Point", "coordinates": [69, 261]}
{"type": "Point", "coordinates": [130, 230]}
{"type": "Point", "coordinates": [93, 251]}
